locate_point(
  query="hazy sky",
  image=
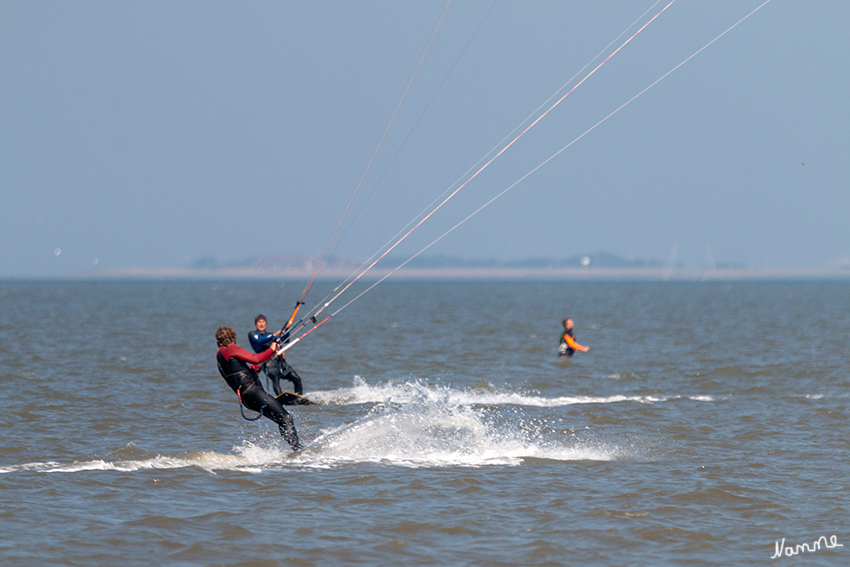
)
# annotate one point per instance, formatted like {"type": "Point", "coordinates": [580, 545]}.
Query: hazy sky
{"type": "Point", "coordinates": [157, 133]}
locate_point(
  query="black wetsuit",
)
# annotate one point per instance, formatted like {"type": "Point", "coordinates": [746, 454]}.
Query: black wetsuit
{"type": "Point", "coordinates": [233, 366]}
{"type": "Point", "coordinates": [277, 368]}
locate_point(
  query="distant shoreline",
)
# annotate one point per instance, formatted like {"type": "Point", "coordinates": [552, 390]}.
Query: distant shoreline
{"type": "Point", "coordinates": [466, 273]}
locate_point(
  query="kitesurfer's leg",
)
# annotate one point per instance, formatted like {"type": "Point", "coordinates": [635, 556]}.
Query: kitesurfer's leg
{"type": "Point", "coordinates": [275, 412]}
{"type": "Point", "coordinates": [256, 399]}
{"type": "Point", "coordinates": [274, 373]}
{"type": "Point", "coordinates": [290, 374]}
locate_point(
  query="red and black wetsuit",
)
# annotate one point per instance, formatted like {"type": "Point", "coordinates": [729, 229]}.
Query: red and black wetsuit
{"type": "Point", "coordinates": [238, 368]}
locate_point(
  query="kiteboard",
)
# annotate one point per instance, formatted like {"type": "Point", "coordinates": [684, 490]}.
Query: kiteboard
{"type": "Point", "coordinates": [293, 399]}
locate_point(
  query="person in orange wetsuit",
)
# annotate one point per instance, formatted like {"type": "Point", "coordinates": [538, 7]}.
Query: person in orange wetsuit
{"type": "Point", "coordinates": [568, 345]}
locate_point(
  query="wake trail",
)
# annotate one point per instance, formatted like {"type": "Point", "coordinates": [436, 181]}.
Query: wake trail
{"type": "Point", "coordinates": [407, 424]}
{"type": "Point", "coordinates": [418, 392]}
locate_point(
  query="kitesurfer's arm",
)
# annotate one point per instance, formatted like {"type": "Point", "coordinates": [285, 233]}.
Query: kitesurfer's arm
{"type": "Point", "coordinates": [250, 357]}
{"type": "Point", "coordinates": [280, 339]}
{"type": "Point", "coordinates": [573, 344]}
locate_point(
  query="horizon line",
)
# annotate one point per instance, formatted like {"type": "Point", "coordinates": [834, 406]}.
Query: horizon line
{"type": "Point", "coordinates": [460, 273]}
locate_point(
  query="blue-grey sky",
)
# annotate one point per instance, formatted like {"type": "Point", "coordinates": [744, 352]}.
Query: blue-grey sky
{"type": "Point", "coordinates": [157, 133]}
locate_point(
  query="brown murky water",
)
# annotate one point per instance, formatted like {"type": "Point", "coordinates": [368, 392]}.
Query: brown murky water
{"type": "Point", "coordinates": [708, 422]}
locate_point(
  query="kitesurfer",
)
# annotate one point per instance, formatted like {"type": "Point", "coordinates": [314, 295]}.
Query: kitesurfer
{"type": "Point", "coordinates": [277, 368]}
{"type": "Point", "coordinates": [239, 368]}
{"type": "Point", "coordinates": [568, 345]}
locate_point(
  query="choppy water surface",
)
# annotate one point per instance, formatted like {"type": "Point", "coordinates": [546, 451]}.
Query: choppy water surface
{"type": "Point", "coordinates": [708, 422]}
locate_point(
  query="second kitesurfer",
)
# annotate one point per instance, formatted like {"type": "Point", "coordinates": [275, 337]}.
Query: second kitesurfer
{"type": "Point", "coordinates": [568, 345]}
{"type": "Point", "coordinates": [239, 368]}
{"type": "Point", "coordinates": [277, 368]}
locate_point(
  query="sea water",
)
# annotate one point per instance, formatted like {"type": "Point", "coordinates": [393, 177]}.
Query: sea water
{"type": "Point", "coordinates": [707, 424]}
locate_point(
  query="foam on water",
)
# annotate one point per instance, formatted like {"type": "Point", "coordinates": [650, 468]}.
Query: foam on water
{"type": "Point", "coordinates": [409, 424]}
{"type": "Point", "coordinates": [417, 425]}
{"type": "Point", "coordinates": [250, 458]}
{"type": "Point", "coordinates": [445, 436]}
{"type": "Point", "coordinates": [417, 392]}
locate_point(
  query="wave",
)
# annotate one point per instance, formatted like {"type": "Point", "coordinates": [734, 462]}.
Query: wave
{"type": "Point", "coordinates": [409, 437]}
{"type": "Point", "coordinates": [250, 458]}
{"type": "Point", "coordinates": [417, 392]}
{"type": "Point", "coordinates": [446, 435]}
{"type": "Point", "coordinates": [407, 424]}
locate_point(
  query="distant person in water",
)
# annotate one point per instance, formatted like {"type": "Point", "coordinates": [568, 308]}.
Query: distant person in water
{"type": "Point", "coordinates": [239, 368]}
{"type": "Point", "coordinates": [568, 345]}
{"type": "Point", "coordinates": [277, 368]}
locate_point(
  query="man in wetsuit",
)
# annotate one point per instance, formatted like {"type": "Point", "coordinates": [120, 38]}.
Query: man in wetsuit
{"type": "Point", "coordinates": [277, 368]}
{"type": "Point", "coordinates": [568, 345]}
{"type": "Point", "coordinates": [239, 368]}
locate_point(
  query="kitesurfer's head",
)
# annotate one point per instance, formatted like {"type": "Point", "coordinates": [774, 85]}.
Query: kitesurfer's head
{"type": "Point", "coordinates": [568, 323]}
{"type": "Point", "coordinates": [225, 336]}
{"type": "Point", "coordinates": [260, 322]}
